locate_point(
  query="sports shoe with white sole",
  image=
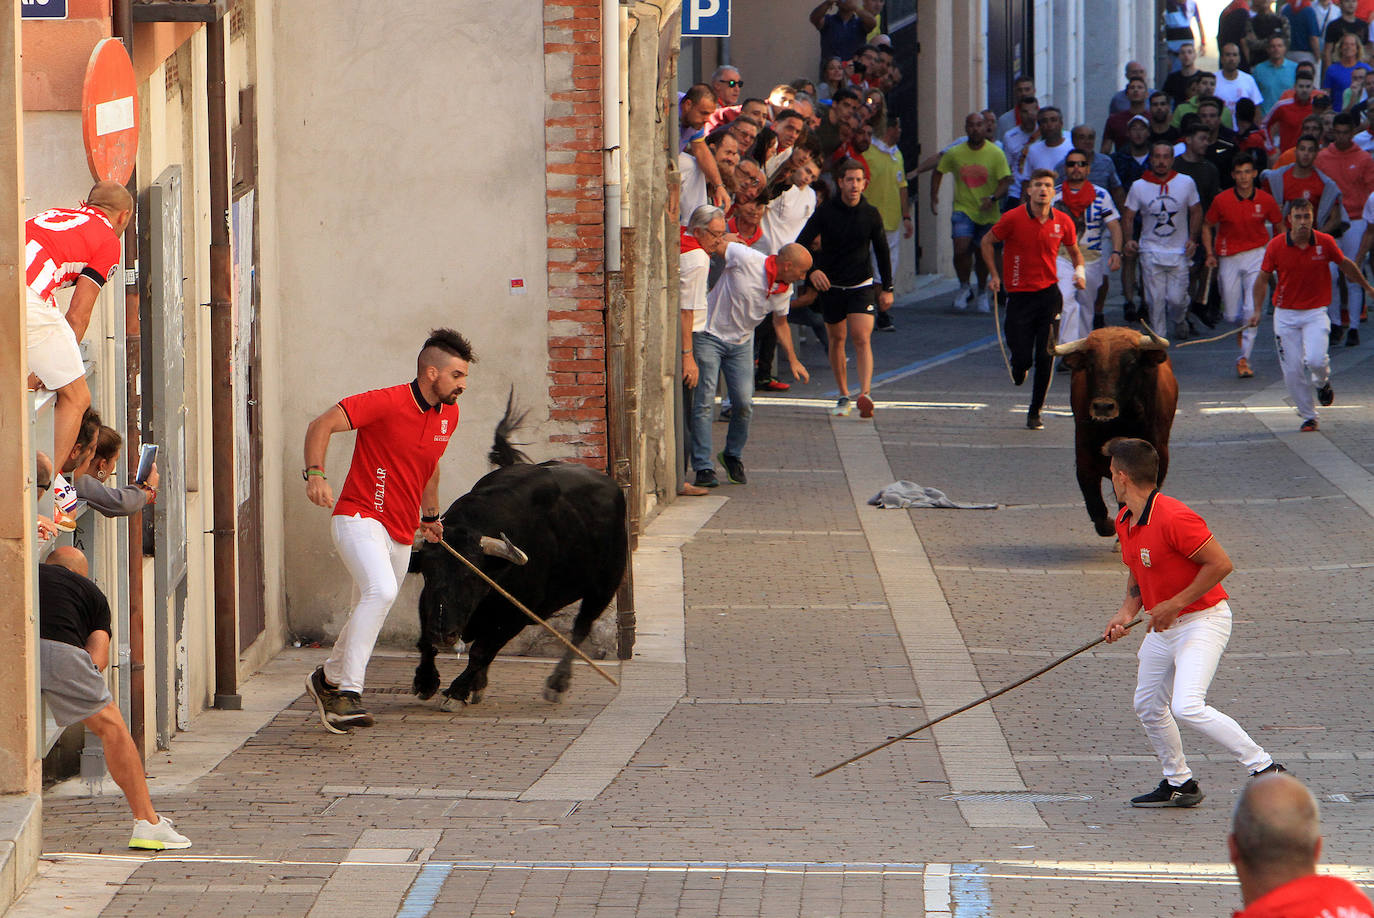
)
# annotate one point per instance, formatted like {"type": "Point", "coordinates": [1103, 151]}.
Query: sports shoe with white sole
{"type": "Point", "coordinates": [339, 711]}
{"type": "Point", "coordinates": [842, 407]}
{"type": "Point", "coordinates": [157, 836]}
{"type": "Point", "coordinates": [1187, 794]}
{"type": "Point", "coordinates": [865, 405]}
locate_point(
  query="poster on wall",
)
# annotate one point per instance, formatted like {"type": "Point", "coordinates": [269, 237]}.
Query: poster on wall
{"type": "Point", "coordinates": [241, 220]}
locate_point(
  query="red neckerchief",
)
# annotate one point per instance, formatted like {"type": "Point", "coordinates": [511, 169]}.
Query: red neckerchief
{"type": "Point", "coordinates": [733, 225]}
{"type": "Point", "coordinates": [688, 242]}
{"type": "Point", "coordinates": [1150, 176]}
{"type": "Point", "coordinates": [1077, 201]}
{"type": "Point", "coordinates": [770, 272]}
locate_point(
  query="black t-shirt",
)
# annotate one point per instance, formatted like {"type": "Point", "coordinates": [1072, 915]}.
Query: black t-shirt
{"type": "Point", "coordinates": [70, 607]}
{"type": "Point", "coordinates": [1176, 85]}
{"type": "Point", "coordinates": [1337, 28]}
{"type": "Point", "coordinates": [848, 235]}
{"type": "Point", "coordinates": [1170, 134]}
{"type": "Point", "coordinates": [1204, 175]}
{"type": "Point", "coordinates": [1222, 154]}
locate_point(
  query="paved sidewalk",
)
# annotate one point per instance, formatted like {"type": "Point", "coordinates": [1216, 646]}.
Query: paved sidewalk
{"type": "Point", "coordinates": [785, 626]}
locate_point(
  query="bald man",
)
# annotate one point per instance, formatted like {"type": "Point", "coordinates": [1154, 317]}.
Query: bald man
{"type": "Point", "coordinates": [1275, 842]}
{"type": "Point", "coordinates": [74, 649]}
{"type": "Point", "coordinates": [752, 286]}
{"type": "Point", "coordinates": [70, 248]}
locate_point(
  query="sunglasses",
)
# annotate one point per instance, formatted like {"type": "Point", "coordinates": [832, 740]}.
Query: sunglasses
{"type": "Point", "coordinates": [1075, 164]}
{"type": "Point", "coordinates": [733, 84]}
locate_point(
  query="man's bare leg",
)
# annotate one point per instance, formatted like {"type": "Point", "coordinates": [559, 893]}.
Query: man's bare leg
{"type": "Point", "coordinates": [72, 401]}
{"type": "Point", "coordinates": [123, 760]}
{"type": "Point", "coordinates": [839, 362]}
{"type": "Point", "coordinates": [861, 333]}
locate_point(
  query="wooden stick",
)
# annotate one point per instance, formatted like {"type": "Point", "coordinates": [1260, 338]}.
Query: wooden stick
{"type": "Point", "coordinates": [972, 704]}
{"type": "Point", "coordinates": [523, 608]}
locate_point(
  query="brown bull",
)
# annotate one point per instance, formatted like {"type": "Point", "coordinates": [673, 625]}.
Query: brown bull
{"type": "Point", "coordinates": [1123, 386]}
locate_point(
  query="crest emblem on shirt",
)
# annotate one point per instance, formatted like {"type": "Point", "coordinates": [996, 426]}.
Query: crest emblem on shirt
{"type": "Point", "coordinates": [1145, 557]}
{"type": "Point", "coordinates": [1319, 250]}
{"type": "Point", "coordinates": [443, 426]}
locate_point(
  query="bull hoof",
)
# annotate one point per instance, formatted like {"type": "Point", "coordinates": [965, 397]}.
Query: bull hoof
{"type": "Point", "coordinates": [451, 704]}
{"type": "Point", "coordinates": [422, 694]}
{"type": "Point", "coordinates": [475, 698]}
{"type": "Point", "coordinates": [552, 695]}
{"type": "Point", "coordinates": [1105, 527]}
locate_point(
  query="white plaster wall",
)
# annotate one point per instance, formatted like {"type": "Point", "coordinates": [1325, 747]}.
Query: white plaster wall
{"type": "Point", "coordinates": [406, 193]}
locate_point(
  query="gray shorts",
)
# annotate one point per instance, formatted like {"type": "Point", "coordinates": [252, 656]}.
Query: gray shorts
{"type": "Point", "coordinates": [72, 686]}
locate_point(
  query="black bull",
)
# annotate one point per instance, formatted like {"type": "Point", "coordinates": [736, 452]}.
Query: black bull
{"type": "Point", "coordinates": [1123, 386]}
{"type": "Point", "coordinates": [570, 522]}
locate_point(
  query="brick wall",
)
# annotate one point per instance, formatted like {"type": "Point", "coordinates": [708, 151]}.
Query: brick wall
{"type": "Point", "coordinates": [572, 143]}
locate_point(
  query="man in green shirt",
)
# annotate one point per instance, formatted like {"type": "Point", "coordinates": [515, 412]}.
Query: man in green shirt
{"type": "Point", "coordinates": [887, 192]}
{"type": "Point", "coordinates": [981, 177]}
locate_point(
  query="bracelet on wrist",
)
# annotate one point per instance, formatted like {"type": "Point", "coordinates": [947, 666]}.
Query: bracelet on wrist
{"type": "Point", "coordinates": [313, 471]}
{"type": "Point", "coordinates": [429, 518]}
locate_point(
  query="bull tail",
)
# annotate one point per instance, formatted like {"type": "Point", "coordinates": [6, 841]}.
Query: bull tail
{"type": "Point", "coordinates": [503, 452]}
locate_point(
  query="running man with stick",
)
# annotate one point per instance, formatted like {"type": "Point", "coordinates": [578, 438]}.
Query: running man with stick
{"type": "Point", "coordinates": [1176, 567]}
{"type": "Point", "coordinates": [1031, 236]}
{"type": "Point", "coordinates": [402, 432]}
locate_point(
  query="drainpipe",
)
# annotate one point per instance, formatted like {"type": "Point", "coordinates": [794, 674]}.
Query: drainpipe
{"type": "Point", "coordinates": [619, 388]}
{"type": "Point", "coordinates": [133, 365]}
{"type": "Point", "coordinates": [221, 375]}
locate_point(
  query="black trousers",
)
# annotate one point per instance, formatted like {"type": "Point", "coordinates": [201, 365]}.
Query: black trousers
{"type": "Point", "coordinates": [1029, 323]}
{"type": "Point", "coordinates": [765, 349]}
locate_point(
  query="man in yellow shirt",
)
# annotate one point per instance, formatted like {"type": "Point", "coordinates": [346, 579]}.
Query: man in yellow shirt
{"type": "Point", "coordinates": [887, 192]}
{"type": "Point", "coordinates": [981, 178]}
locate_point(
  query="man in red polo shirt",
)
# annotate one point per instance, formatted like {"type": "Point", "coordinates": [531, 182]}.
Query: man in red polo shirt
{"type": "Point", "coordinates": [1275, 842]}
{"type": "Point", "coordinates": [1176, 568]}
{"type": "Point", "coordinates": [402, 432]}
{"type": "Point", "coordinates": [1234, 234]}
{"type": "Point", "coordinates": [1031, 236]}
{"type": "Point", "coordinates": [1302, 327]}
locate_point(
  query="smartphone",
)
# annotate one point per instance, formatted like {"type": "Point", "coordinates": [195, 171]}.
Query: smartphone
{"type": "Point", "coordinates": [147, 455]}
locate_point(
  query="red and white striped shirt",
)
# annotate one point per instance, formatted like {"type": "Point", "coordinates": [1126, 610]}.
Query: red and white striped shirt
{"type": "Point", "coordinates": [62, 245]}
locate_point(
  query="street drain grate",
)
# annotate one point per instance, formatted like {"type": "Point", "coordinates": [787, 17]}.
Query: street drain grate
{"type": "Point", "coordinates": [1018, 797]}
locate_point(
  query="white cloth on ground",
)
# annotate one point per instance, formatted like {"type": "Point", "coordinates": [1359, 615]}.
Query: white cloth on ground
{"type": "Point", "coordinates": [903, 495]}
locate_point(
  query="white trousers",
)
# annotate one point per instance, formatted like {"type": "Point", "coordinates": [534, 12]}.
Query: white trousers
{"type": "Point", "coordinates": [1302, 336]}
{"type": "Point", "coordinates": [1354, 301]}
{"type": "Point", "coordinates": [1236, 276]}
{"type": "Point", "coordinates": [1166, 288]}
{"type": "Point", "coordinates": [377, 563]}
{"type": "Point", "coordinates": [1076, 315]}
{"type": "Point", "coordinates": [1176, 667]}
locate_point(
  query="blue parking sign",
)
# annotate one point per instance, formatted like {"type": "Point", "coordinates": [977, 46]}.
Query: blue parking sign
{"type": "Point", "coordinates": [43, 9]}
{"type": "Point", "coordinates": [706, 18]}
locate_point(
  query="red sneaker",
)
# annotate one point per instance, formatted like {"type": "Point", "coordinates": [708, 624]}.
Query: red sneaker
{"type": "Point", "coordinates": [865, 406]}
{"type": "Point", "coordinates": [771, 385]}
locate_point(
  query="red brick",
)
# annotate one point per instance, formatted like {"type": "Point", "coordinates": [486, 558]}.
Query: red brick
{"type": "Point", "coordinates": [573, 366]}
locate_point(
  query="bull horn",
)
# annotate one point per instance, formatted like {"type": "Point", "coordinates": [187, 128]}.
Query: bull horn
{"type": "Point", "coordinates": [503, 548]}
{"type": "Point", "coordinates": [1071, 347]}
{"type": "Point", "coordinates": [1153, 342]}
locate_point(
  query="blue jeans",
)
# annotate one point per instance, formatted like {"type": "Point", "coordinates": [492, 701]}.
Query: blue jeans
{"type": "Point", "coordinates": [736, 361]}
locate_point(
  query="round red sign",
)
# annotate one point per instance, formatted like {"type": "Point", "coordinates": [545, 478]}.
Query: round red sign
{"type": "Point", "coordinates": [109, 112]}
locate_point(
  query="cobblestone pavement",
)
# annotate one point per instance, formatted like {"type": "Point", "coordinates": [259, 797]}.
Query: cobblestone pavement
{"type": "Point", "coordinates": [787, 627]}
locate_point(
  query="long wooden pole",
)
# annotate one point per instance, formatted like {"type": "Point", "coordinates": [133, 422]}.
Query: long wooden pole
{"type": "Point", "coordinates": [972, 704]}
{"type": "Point", "coordinates": [523, 608]}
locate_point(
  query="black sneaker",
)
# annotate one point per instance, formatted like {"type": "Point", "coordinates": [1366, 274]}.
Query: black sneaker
{"type": "Point", "coordinates": [1326, 395]}
{"type": "Point", "coordinates": [884, 323]}
{"type": "Point", "coordinates": [1033, 422]}
{"type": "Point", "coordinates": [1203, 313]}
{"type": "Point", "coordinates": [1352, 337]}
{"type": "Point", "coordinates": [1337, 333]}
{"type": "Point", "coordinates": [1274, 769]}
{"type": "Point", "coordinates": [706, 478]}
{"type": "Point", "coordinates": [1169, 795]}
{"type": "Point", "coordinates": [1128, 312]}
{"type": "Point", "coordinates": [734, 468]}
{"type": "Point", "coordinates": [339, 711]}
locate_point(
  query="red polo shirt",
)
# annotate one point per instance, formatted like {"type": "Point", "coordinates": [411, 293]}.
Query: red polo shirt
{"type": "Point", "coordinates": [1241, 222]}
{"type": "Point", "coordinates": [1030, 249]}
{"type": "Point", "coordinates": [400, 440]}
{"type": "Point", "coordinates": [1158, 548]}
{"type": "Point", "coordinates": [1304, 278]}
{"type": "Point", "coordinates": [1312, 896]}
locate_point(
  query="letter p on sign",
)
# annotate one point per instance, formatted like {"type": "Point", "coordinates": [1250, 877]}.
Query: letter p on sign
{"type": "Point", "coordinates": [706, 18]}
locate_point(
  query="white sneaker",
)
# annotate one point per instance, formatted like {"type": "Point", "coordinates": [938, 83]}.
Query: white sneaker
{"type": "Point", "coordinates": [159, 836]}
{"type": "Point", "coordinates": [964, 298]}
{"type": "Point", "coordinates": [984, 302]}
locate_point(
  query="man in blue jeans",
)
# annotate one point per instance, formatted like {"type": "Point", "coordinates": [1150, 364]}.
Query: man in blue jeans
{"type": "Point", "coordinates": [751, 286]}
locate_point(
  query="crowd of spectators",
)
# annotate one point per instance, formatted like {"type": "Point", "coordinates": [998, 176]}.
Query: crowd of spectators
{"type": "Point", "coordinates": [756, 173]}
